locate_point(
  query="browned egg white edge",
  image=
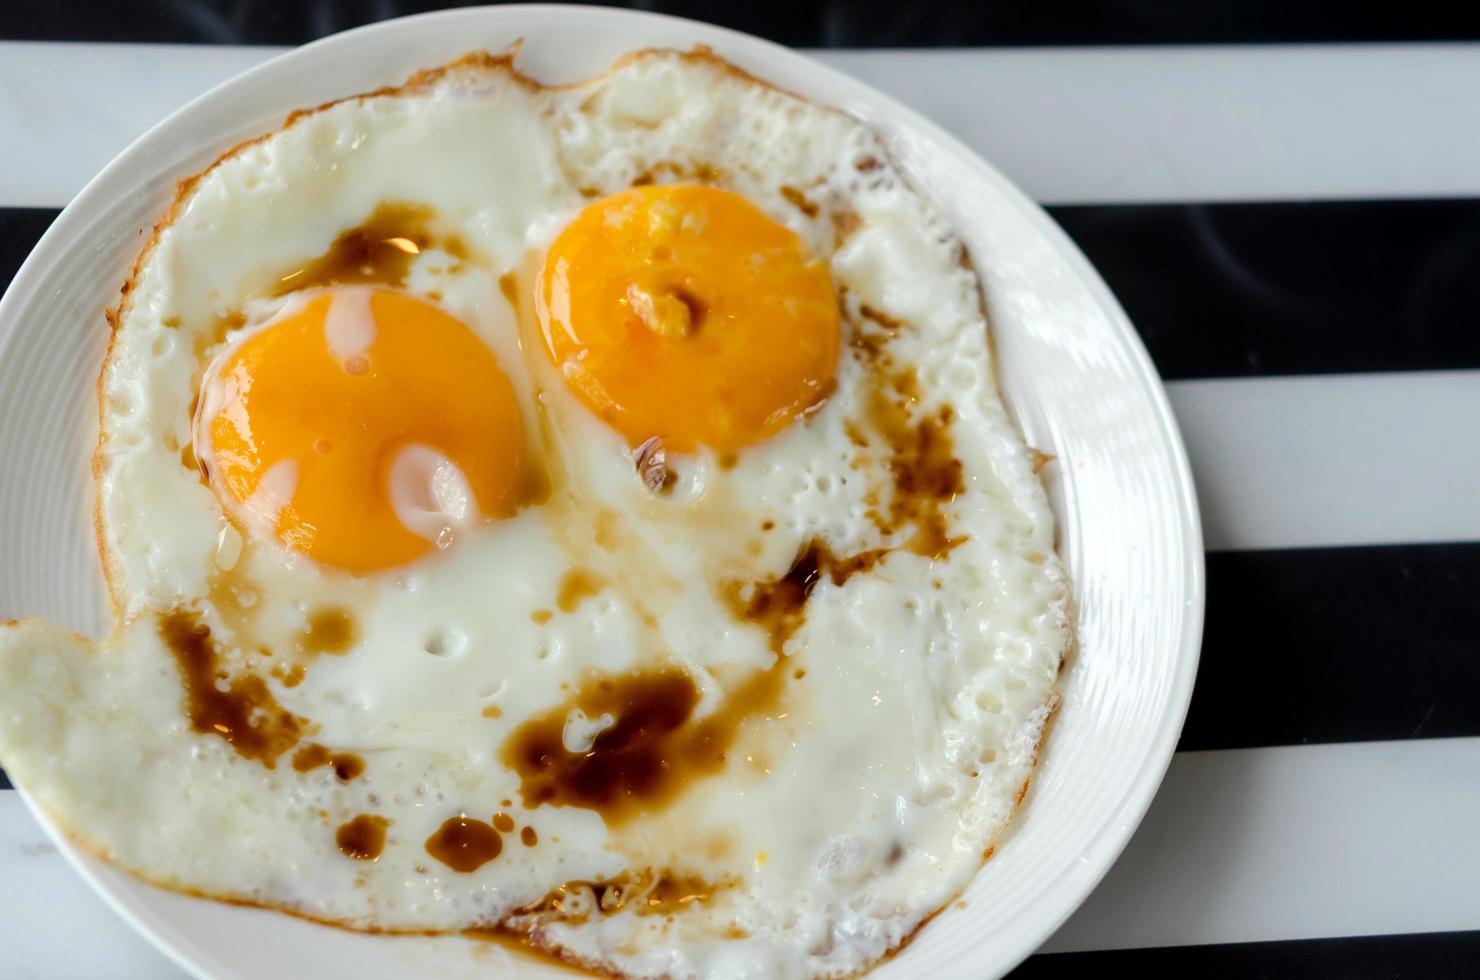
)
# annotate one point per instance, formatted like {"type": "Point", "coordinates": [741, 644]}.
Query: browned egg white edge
{"type": "Point", "coordinates": [420, 81]}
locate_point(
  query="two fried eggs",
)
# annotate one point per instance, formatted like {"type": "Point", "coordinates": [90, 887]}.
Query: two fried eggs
{"type": "Point", "coordinates": [585, 512]}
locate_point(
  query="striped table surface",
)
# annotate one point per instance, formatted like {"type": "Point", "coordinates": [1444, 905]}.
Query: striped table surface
{"type": "Point", "coordinates": [1295, 230]}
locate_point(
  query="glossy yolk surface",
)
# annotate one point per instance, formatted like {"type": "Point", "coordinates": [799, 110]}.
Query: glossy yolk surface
{"type": "Point", "coordinates": [332, 395]}
{"type": "Point", "coordinates": [684, 312]}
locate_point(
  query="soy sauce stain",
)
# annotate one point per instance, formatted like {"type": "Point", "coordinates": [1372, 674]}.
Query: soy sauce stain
{"type": "Point", "coordinates": [528, 837]}
{"type": "Point", "coordinates": [799, 201]}
{"type": "Point", "coordinates": [380, 250]}
{"type": "Point", "coordinates": [503, 823]}
{"type": "Point", "coordinates": [362, 838]}
{"type": "Point", "coordinates": [465, 844]}
{"type": "Point", "coordinates": [923, 467]}
{"type": "Point", "coordinates": [925, 476]}
{"type": "Point", "coordinates": [891, 325]}
{"type": "Point", "coordinates": [346, 765]}
{"type": "Point", "coordinates": [246, 714]}
{"type": "Point", "coordinates": [508, 284]}
{"type": "Point", "coordinates": [536, 485]}
{"type": "Point", "coordinates": [310, 757]}
{"type": "Point", "coordinates": [923, 464]}
{"type": "Point", "coordinates": [576, 586]}
{"type": "Point", "coordinates": [653, 750]}
{"type": "Point", "coordinates": [328, 630]}
{"type": "Point", "coordinates": [188, 460]}
{"type": "Point", "coordinates": [642, 892]}
{"type": "Point", "coordinates": [667, 171]}
{"type": "Point", "coordinates": [779, 605]}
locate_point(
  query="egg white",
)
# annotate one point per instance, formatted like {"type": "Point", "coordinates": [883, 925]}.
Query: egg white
{"type": "Point", "coordinates": [842, 819]}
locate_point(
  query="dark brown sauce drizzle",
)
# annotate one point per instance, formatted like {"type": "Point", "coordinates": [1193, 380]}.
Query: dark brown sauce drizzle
{"type": "Point", "coordinates": [643, 893]}
{"type": "Point", "coordinates": [465, 844]}
{"type": "Point", "coordinates": [290, 676]}
{"type": "Point", "coordinates": [328, 630]}
{"type": "Point", "coordinates": [666, 171]}
{"type": "Point", "coordinates": [871, 334]}
{"type": "Point", "coordinates": [536, 484]}
{"type": "Point", "coordinates": [576, 586]}
{"type": "Point", "coordinates": [924, 471]}
{"type": "Point", "coordinates": [508, 284]}
{"type": "Point", "coordinates": [312, 756]}
{"type": "Point", "coordinates": [884, 320]}
{"type": "Point", "coordinates": [380, 250]}
{"type": "Point", "coordinates": [844, 223]}
{"type": "Point", "coordinates": [779, 606]}
{"type": "Point", "coordinates": [799, 201]}
{"type": "Point", "coordinates": [246, 714]}
{"type": "Point", "coordinates": [652, 751]}
{"type": "Point", "coordinates": [927, 475]}
{"type": "Point", "coordinates": [922, 462]}
{"type": "Point", "coordinates": [347, 766]}
{"type": "Point", "coordinates": [362, 838]}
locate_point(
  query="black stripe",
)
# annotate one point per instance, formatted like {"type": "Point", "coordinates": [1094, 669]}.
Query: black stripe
{"type": "Point", "coordinates": [1434, 954]}
{"type": "Point", "coordinates": [1292, 288]}
{"type": "Point", "coordinates": [4, 780]}
{"type": "Point", "coordinates": [1233, 290]}
{"type": "Point", "coordinates": [1337, 645]}
{"type": "Point", "coordinates": [812, 23]}
{"type": "Point", "coordinates": [20, 230]}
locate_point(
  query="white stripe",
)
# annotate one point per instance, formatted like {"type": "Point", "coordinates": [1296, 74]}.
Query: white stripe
{"type": "Point", "coordinates": [54, 926]}
{"type": "Point", "coordinates": [1245, 845]}
{"type": "Point", "coordinates": [1296, 843]}
{"type": "Point", "coordinates": [1335, 460]}
{"type": "Point", "coordinates": [1097, 125]}
{"type": "Point", "coordinates": [67, 109]}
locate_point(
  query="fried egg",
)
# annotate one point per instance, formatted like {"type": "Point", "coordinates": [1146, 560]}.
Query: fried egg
{"type": "Point", "coordinates": [580, 512]}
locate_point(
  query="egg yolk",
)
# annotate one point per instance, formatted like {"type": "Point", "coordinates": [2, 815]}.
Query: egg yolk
{"type": "Point", "coordinates": [684, 312]}
{"type": "Point", "coordinates": [361, 429]}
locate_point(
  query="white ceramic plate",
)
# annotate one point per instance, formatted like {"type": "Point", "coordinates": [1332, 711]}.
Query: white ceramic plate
{"type": "Point", "coordinates": [1072, 367]}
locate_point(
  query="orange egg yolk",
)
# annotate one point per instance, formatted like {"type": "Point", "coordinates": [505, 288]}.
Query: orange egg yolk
{"type": "Point", "coordinates": [684, 312]}
{"type": "Point", "coordinates": [346, 426]}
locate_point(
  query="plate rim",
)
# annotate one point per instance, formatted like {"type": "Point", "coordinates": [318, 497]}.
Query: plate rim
{"type": "Point", "coordinates": [1073, 884]}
